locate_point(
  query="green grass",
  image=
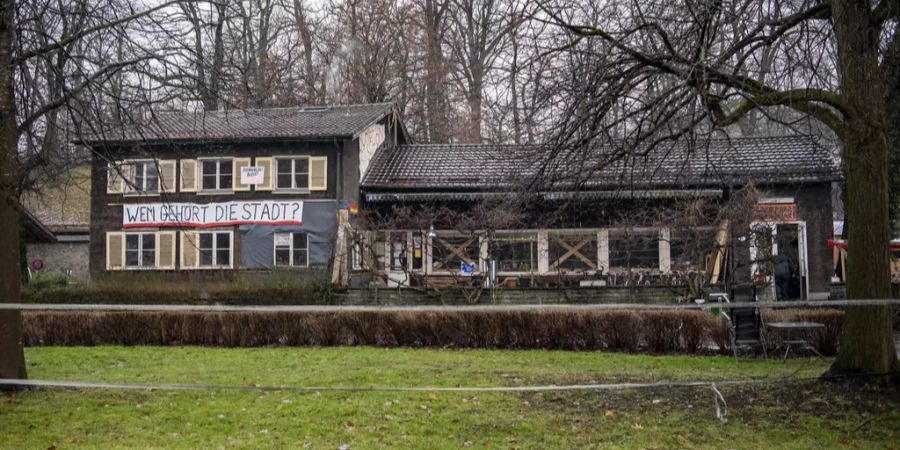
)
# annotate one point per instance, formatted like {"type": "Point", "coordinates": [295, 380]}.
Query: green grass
{"type": "Point", "coordinates": [799, 415]}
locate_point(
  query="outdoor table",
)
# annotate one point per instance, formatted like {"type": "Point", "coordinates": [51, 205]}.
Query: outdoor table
{"type": "Point", "coordinates": [800, 331]}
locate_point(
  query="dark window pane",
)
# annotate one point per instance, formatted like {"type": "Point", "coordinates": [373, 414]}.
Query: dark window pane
{"type": "Point", "coordinates": [138, 176]}
{"type": "Point", "coordinates": [131, 258]}
{"type": "Point", "coordinates": [301, 181]}
{"type": "Point", "coordinates": [299, 241]}
{"type": "Point", "coordinates": [148, 241]}
{"type": "Point", "coordinates": [638, 250]}
{"type": "Point", "coordinates": [209, 181]}
{"type": "Point", "coordinates": [301, 165]}
{"type": "Point", "coordinates": [515, 255]}
{"type": "Point", "coordinates": [284, 166]}
{"type": "Point", "coordinates": [206, 240]}
{"type": "Point", "coordinates": [132, 241]}
{"type": "Point", "coordinates": [223, 257]}
{"type": "Point", "coordinates": [152, 177]}
{"type": "Point", "coordinates": [282, 256]}
{"type": "Point", "coordinates": [225, 167]}
{"type": "Point", "coordinates": [148, 258]}
{"type": "Point", "coordinates": [206, 257]}
{"type": "Point", "coordinates": [223, 240]}
{"type": "Point", "coordinates": [152, 184]}
{"type": "Point", "coordinates": [300, 258]}
{"type": "Point", "coordinates": [225, 181]}
{"type": "Point", "coordinates": [284, 181]}
{"type": "Point", "coordinates": [398, 251]}
{"type": "Point", "coordinates": [418, 252]}
{"type": "Point", "coordinates": [691, 248]}
{"type": "Point", "coordinates": [209, 168]}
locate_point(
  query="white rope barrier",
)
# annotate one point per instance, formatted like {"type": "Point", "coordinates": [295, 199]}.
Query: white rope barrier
{"type": "Point", "coordinates": [545, 388]}
{"type": "Point", "coordinates": [438, 308]}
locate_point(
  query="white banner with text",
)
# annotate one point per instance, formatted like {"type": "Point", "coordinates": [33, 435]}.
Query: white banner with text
{"type": "Point", "coordinates": [268, 212]}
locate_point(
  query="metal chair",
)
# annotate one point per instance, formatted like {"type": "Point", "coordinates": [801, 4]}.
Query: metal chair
{"type": "Point", "coordinates": [745, 327]}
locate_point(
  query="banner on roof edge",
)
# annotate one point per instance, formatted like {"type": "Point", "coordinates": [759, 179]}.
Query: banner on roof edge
{"type": "Point", "coordinates": [267, 212]}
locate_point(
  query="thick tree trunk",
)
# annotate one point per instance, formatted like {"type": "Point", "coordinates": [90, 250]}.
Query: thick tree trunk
{"type": "Point", "coordinates": [867, 344]}
{"type": "Point", "coordinates": [12, 357]}
{"type": "Point", "coordinates": [891, 70]}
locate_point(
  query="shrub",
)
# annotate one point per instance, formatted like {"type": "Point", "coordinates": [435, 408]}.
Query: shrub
{"type": "Point", "coordinates": [667, 331]}
{"type": "Point", "coordinates": [49, 279]}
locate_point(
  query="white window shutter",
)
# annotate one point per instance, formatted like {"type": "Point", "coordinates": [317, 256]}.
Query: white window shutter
{"type": "Point", "coordinates": [190, 250]}
{"type": "Point", "coordinates": [188, 175]}
{"type": "Point", "coordinates": [165, 250]}
{"type": "Point", "coordinates": [318, 173]}
{"type": "Point", "coordinates": [114, 182]}
{"type": "Point", "coordinates": [268, 175]}
{"type": "Point", "coordinates": [236, 174]}
{"type": "Point", "coordinates": [167, 175]}
{"type": "Point", "coordinates": [115, 250]}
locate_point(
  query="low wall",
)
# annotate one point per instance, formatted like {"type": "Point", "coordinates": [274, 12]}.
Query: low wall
{"type": "Point", "coordinates": [839, 291]}
{"type": "Point", "coordinates": [382, 296]}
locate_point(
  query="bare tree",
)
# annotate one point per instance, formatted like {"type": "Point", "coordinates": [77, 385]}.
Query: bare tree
{"type": "Point", "coordinates": [691, 66]}
{"type": "Point", "coordinates": [437, 110]}
{"type": "Point", "coordinates": [479, 31]}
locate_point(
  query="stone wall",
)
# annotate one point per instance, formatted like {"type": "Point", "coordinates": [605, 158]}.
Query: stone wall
{"type": "Point", "coordinates": [69, 257]}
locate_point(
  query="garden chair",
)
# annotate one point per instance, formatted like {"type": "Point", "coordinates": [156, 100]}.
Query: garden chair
{"type": "Point", "coordinates": [745, 327]}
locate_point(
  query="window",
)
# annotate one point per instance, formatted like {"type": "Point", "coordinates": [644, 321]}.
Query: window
{"type": "Point", "coordinates": [451, 252]}
{"type": "Point", "coordinates": [293, 173]}
{"type": "Point", "coordinates": [291, 250]}
{"type": "Point", "coordinates": [140, 250]}
{"type": "Point", "coordinates": [398, 254]}
{"type": "Point", "coordinates": [572, 252]}
{"type": "Point", "coordinates": [691, 248]}
{"type": "Point", "coordinates": [144, 176]}
{"type": "Point", "coordinates": [216, 175]}
{"type": "Point", "coordinates": [418, 250]}
{"type": "Point", "coordinates": [634, 249]}
{"type": "Point", "coordinates": [515, 253]}
{"type": "Point", "coordinates": [215, 249]}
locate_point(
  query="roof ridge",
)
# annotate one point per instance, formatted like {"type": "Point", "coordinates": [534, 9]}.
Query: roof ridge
{"type": "Point", "coordinates": [275, 108]}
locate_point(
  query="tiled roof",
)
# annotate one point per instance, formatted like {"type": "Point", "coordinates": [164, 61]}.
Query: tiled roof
{"type": "Point", "coordinates": [63, 205]}
{"type": "Point", "coordinates": [249, 124]}
{"type": "Point", "coordinates": [713, 162]}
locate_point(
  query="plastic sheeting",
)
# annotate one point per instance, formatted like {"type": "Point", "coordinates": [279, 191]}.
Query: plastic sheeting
{"type": "Point", "coordinates": [319, 223]}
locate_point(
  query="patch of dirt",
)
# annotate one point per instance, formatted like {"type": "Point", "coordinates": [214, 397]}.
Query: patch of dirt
{"type": "Point", "coordinates": [764, 402]}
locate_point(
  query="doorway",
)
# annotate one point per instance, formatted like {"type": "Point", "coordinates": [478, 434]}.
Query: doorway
{"type": "Point", "coordinates": [779, 257]}
{"type": "Point", "coordinates": [789, 274]}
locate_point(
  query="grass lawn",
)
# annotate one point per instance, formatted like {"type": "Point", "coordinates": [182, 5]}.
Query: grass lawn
{"type": "Point", "coordinates": [797, 415]}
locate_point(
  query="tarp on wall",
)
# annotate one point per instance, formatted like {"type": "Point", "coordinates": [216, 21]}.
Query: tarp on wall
{"type": "Point", "coordinates": [320, 224]}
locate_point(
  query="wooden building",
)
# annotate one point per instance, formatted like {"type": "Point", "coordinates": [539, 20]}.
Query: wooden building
{"type": "Point", "coordinates": [207, 194]}
{"type": "Point", "coordinates": [604, 218]}
{"type": "Point", "coordinates": [211, 194]}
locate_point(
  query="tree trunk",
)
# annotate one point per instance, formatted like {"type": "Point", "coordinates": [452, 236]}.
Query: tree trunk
{"type": "Point", "coordinates": [303, 26]}
{"type": "Point", "coordinates": [513, 86]}
{"type": "Point", "coordinates": [867, 343]}
{"type": "Point", "coordinates": [890, 67]}
{"type": "Point", "coordinates": [475, 102]}
{"type": "Point", "coordinates": [12, 356]}
{"type": "Point", "coordinates": [436, 108]}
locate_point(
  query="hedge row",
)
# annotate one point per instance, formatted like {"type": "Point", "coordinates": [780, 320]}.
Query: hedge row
{"type": "Point", "coordinates": [631, 331]}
